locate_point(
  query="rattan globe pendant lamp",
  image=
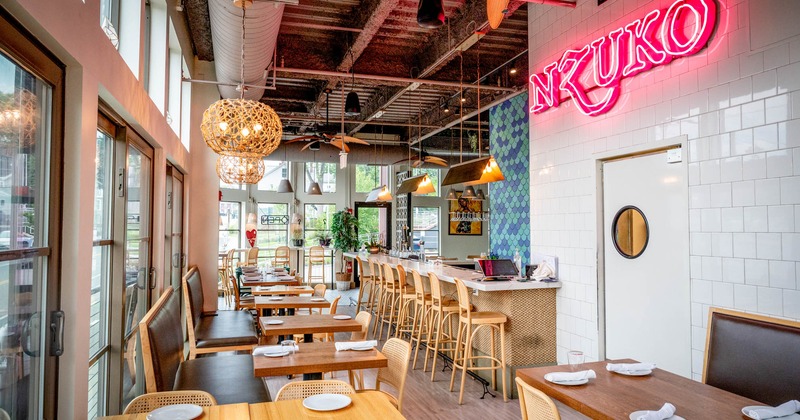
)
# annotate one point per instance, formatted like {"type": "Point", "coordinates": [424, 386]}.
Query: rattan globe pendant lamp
{"type": "Point", "coordinates": [240, 168]}
{"type": "Point", "coordinates": [430, 13]}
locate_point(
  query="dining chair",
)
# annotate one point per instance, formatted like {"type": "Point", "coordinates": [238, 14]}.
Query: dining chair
{"type": "Point", "coordinates": [397, 353]}
{"type": "Point", "coordinates": [316, 257]}
{"type": "Point", "coordinates": [299, 390]}
{"type": "Point", "coordinates": [281, 258]}
{"type": "Point", "coordinates": [534, 404]}
{"type": "Point", "coordinates": [246, 303]}
{"type": "Point", "coordinates": [146, 403]}
{"type": "Point", "coordinates": [224, 272]}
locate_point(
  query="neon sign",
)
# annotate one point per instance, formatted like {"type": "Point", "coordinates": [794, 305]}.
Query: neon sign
{"type": "Point", "coordinates": [658, 38]}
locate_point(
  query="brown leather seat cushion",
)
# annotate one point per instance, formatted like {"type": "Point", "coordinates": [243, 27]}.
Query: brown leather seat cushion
{"type": "Point", "coordinates": [226, 328]}
{"type": "Point", "coordinates": [753, 358]}
{"type": "Point", "coordinates": [166, 342]}
{"type": "Point", "coordinates": [228, 378]}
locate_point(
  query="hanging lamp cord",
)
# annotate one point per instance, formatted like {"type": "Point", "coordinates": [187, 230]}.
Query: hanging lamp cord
{"type": "Point", "coordinates": [241, 73]}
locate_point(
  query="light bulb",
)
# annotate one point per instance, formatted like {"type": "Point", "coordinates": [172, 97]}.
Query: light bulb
{"type": "Point", "coordinates": [492, 163]}
{"type": "Point", "coordinates": [257, 127]}
{"type": "Point", "coordinates": [223, 126]}
{"type": "Point", "coordinates": [245, 132]}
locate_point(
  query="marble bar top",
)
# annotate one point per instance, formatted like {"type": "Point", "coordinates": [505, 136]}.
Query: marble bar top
{"type": "Point", "coordinates": [471, 278]}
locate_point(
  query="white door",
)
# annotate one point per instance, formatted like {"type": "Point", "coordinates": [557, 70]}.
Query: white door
{"type": "Point", "coordinates": [647, 298]}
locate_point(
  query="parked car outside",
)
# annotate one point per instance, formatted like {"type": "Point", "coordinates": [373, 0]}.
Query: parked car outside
{"type": "Point", "coordinates": [23, 240]}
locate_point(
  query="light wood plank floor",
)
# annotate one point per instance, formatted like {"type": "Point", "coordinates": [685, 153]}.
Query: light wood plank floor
{"type": "Point", "coordinates": [425, 400]}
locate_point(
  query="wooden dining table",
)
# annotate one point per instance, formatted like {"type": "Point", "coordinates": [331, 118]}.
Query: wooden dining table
{"type": "Point", "coordinates": [368, 405]}
{"type": "Point", "coordinates": [281, 290]}
{"type": "Point", "coordinates": [314, 358]}
{"type": "Point", "coordinates": [306, 325]}
{"type": "Point", "coordinates": [290, 302]}
{"type": "Point", "coordinates": [616, 396]}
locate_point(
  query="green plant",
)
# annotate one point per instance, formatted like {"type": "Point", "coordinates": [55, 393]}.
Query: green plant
{"type": "Point", "coordinates": [343, 230]}
{"type": "Point", "coordinates": [373, 241]}
{"type": "Point", "coordinates": [296, 231]}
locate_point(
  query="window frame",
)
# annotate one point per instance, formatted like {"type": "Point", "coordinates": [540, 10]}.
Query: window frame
{"type": "Point", "coordinates": [284, 230]}
{"type": "Point", "coordinates": [438, 229]}
{"type": "Point", "coordinates": [321, 166]}
{"type": "Point", "coordinates": [239, 230]}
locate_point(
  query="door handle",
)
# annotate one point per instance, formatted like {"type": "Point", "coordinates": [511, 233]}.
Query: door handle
{"type": "Point", "coordinates": [57, 333]}
{"type": "Point", "coordinates": [183, 260]}
{"type": "Point", "coordinates": [25, 339]}
{"type": "Point", "coordinates": [152, 279]}
{"type": "Point", "coordinates": [176, 260]}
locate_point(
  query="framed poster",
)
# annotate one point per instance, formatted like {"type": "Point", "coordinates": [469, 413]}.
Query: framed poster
{"type": "Point", "coordinates": [464, 205]}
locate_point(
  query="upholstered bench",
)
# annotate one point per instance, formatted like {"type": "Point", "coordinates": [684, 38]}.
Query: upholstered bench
{"type": "Point", "coordinates": [218, 331]}
{"type": "Point", "coordinates": [229, 378]}
{"type": "Point", "coordinates": [754, 356]}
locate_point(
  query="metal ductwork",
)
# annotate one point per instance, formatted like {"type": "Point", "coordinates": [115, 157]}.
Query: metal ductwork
{"type": "Point", "coordinates": [263, 21]}
{"type": "Point", "coordinates": [360, 154]}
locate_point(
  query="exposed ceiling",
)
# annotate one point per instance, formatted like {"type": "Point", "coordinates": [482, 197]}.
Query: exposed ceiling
{"type": "Point", "coordinates": [319, 40]}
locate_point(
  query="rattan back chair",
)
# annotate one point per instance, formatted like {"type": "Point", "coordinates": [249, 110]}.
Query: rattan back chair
{"type": "Point", "coordinates": [316, 257]}
{"type": "Point", "coordinates": [364, 318]}
{"type": "Point", "coordinates": [281, 257]}
{"type": "Point", "coordinates": [534, 404]}
{"type": "Point", "coordinates": [148, 402]}
{"type": "Point", "coordinates": [302, 389]}
{"type": "Point", "coordinates": [398, 353]}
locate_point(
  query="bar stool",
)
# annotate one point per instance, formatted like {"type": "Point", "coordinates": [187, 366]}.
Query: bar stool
{"type": "Point", "coordinates": [316, 256]}
{"type": "Point", "coordinates": [251, 259]}
{"type": "Point", "coordinates": [281, 257]}
{"type": "Point", "coordinates": [366, 282]}
{"type": "Point", "coordinates": [378, 281]}
{"type": "Point", "coordinates": [467, 320]}
{"type": "Point", "coordinates": [389, 300]}
{"type": "Point", "coordinates": [420, 325]}
{"type": "Point", "coordinates": [442, 314]}
{"type": "Point", "coordinates": [405, 299]}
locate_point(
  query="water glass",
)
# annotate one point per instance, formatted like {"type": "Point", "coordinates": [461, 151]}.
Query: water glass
{"type": "Point", "coordinates": [288, 345]}
{"type": "Point", "coordinates": [575, 359]}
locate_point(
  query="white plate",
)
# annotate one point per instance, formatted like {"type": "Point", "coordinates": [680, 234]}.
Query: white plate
{"type": "Point", "coordinates": [276, 298]}
{"type": "Point", "coordinates": [318, 299]}
{"type": "Point", "coordinates": [757, 407]}
{"type": "Point", "coordinates": [342, 317]}
{"type": "Point", "coordinates": [570, 383]}
{"type": "Point", "coordinates": [643, 372]}
{"type": "Point", "coordinates": [176, 412]}
{"type": "Point", "coordinates": [326, 402]}
{"type": "Point", "coordinates": [635, 415]}
{"type": "Point", "coordinates": [274, 322]}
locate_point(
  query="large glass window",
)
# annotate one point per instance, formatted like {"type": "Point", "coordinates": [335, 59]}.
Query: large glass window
{"type": "Point", "coordinates": [109, 20]}
{"type": "Point", "coordinates": [433, 174]}
{"type": "Point", "coordinates": [273, 222]}
{"type": "Point", "coordinates": [369, 177]}
{"type": "Point", "coordinates": [425, 234]}
{"type": "Point", "coordinates": [324, 173]}
{"type": "Point", "coordinates": [273, 174]}
{"type": "Point", "coordinates": [230, 225]}
{"type": "Point", "coordinates": [99, 313]}
{"type": "Point", "coordinates": [231, 186]}
{"type": "Point", "coordinates": [318, 218]}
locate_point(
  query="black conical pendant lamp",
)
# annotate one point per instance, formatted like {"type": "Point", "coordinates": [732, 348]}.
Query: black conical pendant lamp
{"type": "Point", "coordinates": [352, 106]}
{"type": "Point", "coordinates": [430, 13]}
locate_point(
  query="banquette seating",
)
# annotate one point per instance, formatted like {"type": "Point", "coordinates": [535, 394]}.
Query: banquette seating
{"type": "Point", "coordinates": [754, 356]}
{"type": "Point", "coordinates": [229, 378]}
{"type": "Point", "coordinates": [218, 331]}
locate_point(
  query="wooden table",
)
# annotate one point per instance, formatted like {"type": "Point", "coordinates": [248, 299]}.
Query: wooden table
{"type": "Point", "coordinates": [290, 302]}
{"type": "Point", "coordinates": [218, 412]}
{"type": "Point", "coordinates": [368, 405]}
{"type": "Point", "coordinates": [282, 290]}
{"type": "Point", "coordinates": [615, 396]}
{"type": "Point", "coordinates": [307, 325]}
{"type": "Point", "coordinates": [314, 358]}
{"type": "Point", "coordinates": [270, 281]}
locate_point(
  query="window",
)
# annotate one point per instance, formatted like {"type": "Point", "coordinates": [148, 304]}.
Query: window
{"type": "Point", "coordinates": [156, 76]}
{"type": "Point", "coordinates": [273, 222]}
{"type": "Point", "coordinates": [273, 174]}
{"type": "Point", "coordinates": [109, 20]}
{"type": "Point", "coordinates": [230, 225]}
{"type": "Point", "coordinates": [433, 174]}
{"type": "Point", "coordinates": [318, 219]}
{"type": "Point", "coordinates": [369, 177]}
{"type": "Point", "coordinates": [324, 173]}
{"type": "Point", "coordinates": [425, 235]}
{"type": "Point", "coordinates": [99, 309]}
{"type": "Point", "coordinates": [186, 108]}
{"type": "Point", "coordinates": [174, 82]}
{"type": "Point", "coordinates": [231, 186]}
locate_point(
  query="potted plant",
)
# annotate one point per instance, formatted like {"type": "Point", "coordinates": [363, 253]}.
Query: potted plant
{"type": "Point", "coordinates": [296, 232]}
{"type": "Point", "coordinates": [324, 238]}
{"type": "Point", "coordinates": [343, 230]}
{"type": "Point", "coordinates": [373, 245]}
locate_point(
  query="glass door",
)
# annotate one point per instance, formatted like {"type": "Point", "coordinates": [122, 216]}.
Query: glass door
{"type": "Point", "coordinates": [175, 259]}
{"type": "Point", "coordinates": [30, 98]}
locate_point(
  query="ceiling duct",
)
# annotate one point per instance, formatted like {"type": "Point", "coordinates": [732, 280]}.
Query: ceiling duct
{"type": "Point", "coordinates": [262, 23]}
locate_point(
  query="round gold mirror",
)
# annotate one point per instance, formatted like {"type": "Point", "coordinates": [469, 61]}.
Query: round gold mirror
{"type": "Point", "coordinates": [630, 232]}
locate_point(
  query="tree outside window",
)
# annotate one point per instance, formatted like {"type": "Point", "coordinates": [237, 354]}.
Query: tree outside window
{"type": "Point", "coordinates": [323, 173]}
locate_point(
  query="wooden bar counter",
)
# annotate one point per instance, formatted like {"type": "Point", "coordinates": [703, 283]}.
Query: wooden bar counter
{"type": "Point", "coordinates": [530, 307]}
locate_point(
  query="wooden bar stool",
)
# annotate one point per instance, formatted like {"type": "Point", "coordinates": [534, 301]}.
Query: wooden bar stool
{"type": "Point", "coordinates": [366, 282]}
{"type": "Point", "coordinates": [390, 298]}
{"type": "Point", "coordinates": [377, 274]}
{"type": "Point", "coordinates": [467, 320]}
{"type": "Point", "coordinates": [316, 257]}
{"type": "Point", "coordinates": [405, 300]}
{"type": "Point", "coordinates": [281, 257]}
{"type": "Point", "coordinates": [421, 325]}
{"type": "Point", "coordinates": [441, 338]}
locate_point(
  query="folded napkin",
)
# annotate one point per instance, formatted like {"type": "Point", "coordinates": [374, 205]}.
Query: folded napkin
{"type": "Point", "coordinates": [785, 409]}
{"type": "Point", "coordinates": [570, 376]}
{"type": "Point", "coordinates": [629, 367]}
{"type": "Point", "coordinates": [264, 350]}
{"type": "Point", "coordinates": [349, 345]}
{"type": "Point", "coordinates": [252, 277]}
{"type": "Point", "coordinates": [665, 412]}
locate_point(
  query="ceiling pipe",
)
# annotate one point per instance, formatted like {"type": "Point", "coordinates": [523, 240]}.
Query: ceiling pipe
{"type": "Point", "coordinates": [408, 80]}
{"type": "Point", "coordinates": [289, 117]}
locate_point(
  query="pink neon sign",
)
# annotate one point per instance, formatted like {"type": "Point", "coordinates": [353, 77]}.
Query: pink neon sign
{"type": "Point", "coordinates": [658, 38]}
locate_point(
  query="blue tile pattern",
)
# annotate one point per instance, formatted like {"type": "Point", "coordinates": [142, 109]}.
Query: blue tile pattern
{"type": "Point", "coordinates": [509, 200]}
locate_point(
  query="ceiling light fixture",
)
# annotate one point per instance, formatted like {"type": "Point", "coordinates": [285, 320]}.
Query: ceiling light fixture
{"type": "Point", "coordinates": [451, 195]}
{"type": "Point", "coordinates": [469, 193]}
{"type": "Point", "coordinates": [352, 106]}
{"type": "Point", "coordinates": [512, 70]}
{"type": "Point", "coordinates": [419, 185]}
{"type": "Point", "coordinates": [381, 193]}
{"type": "Point", "coordinates": [285, 185]}
{"type": "Point", "coordinates": [480, 196]}
{"type": "Point", "coordinates": [240, 168]}
{"type": "Point", "coordinates": [430, 14]}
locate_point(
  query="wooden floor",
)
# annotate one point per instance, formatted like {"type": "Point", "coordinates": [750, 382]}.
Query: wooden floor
{"type": "Point", "coordinates": [424, 399]}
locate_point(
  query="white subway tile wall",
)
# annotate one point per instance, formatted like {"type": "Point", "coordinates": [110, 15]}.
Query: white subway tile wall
{"type": "Point", "coordinates": [739, 108]}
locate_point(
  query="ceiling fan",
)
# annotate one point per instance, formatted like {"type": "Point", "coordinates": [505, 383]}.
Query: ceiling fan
{"type": "Point", "coordinates": [331, 138]}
